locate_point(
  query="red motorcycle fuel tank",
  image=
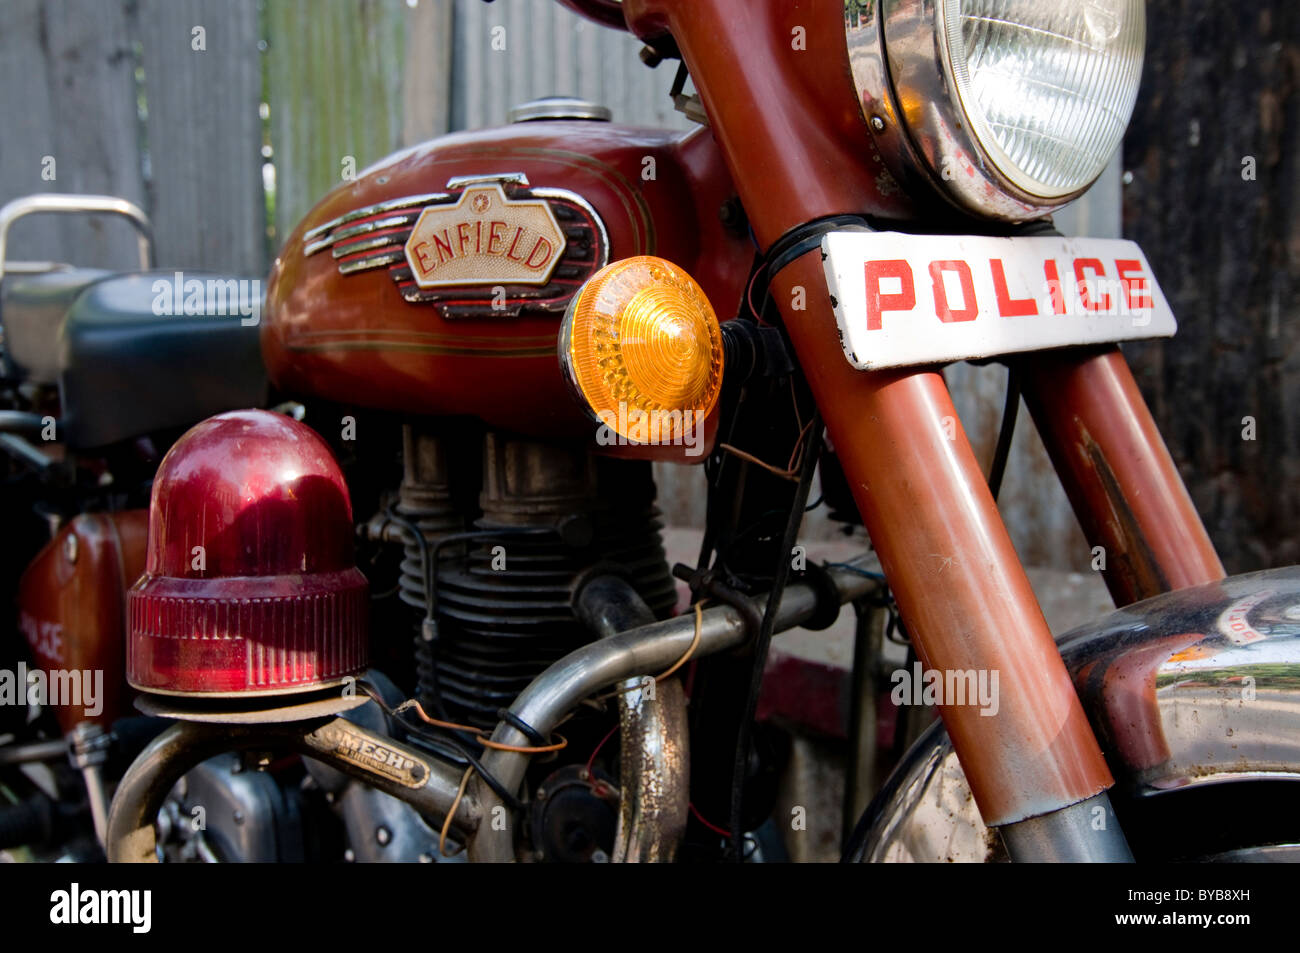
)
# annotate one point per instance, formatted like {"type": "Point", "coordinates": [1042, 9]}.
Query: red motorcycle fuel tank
{"type": "Point", "coordinates": [435, 283]}
{"type": "Point", "coordinates": [72, 611]}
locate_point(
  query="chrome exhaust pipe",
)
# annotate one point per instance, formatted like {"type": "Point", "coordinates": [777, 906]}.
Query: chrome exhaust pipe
{"type": "Point", "coordinates": [407, 773]}
{"type": "Point", "coordinates": [647, 650]}
{"type": "Point", "coordinates": [654, 769]}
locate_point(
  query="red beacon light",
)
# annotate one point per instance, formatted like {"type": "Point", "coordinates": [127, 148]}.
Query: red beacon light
{"type": "Point", "coordinates": [250, 585]}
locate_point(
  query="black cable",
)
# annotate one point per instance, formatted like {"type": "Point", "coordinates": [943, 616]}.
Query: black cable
{"type": "Point", "coordinates": [472, 536]}
{"type": "Point", "coordinates": [421, 543]}
{"type": "Point", "coordinates": [997, 469]}
{"type": "Point", "coordinates": [447, 737]}
{"type": "Point", "coordinates": [429, 626]}
{"type": "Point", "coordinates": [429, 557]}
{"type": "Point", "coordinates": [523, 727]}
{"type": "Point", "coordinates": [811, 451]}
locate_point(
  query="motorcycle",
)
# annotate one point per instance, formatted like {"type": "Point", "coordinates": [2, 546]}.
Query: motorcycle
{"type": "Point", "coordinates": [420, 608]}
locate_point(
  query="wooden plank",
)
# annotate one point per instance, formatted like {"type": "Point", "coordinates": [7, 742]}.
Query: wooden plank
{"type": "Point", "coordinates": [1213, 156]}
{"type": "Point", "coordinates": [67, 69]}
{"type": "Point", "coordinates": [335, 74]}
{"type": "Point", "coordinates": [204, 132]}
{"type": "Point", "coordinates": [426, 85]}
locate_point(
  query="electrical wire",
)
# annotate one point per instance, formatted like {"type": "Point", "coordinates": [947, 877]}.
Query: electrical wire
{"type": "Point", "coordinates": [413, 704]}
{"type": "Point", "coordinates": [686, 657]}
{"type": "Point", "coordinates": [791, 471]}
{"type": "Point", "coordinates": [598, 787]}
{"type": "Point", "coordinates": [720, 831]}
{"type": "Point", "coordinates": [808, 462]}
{"type": "Point", "coordinates": [695, 644]}
{"type": "Point", "coordinates": [857, 570]}
{"type": "Point", "coordinates": [446, 824]}
{"type": "Point", "coordinates": [445, 740]}
{"type": "Point", "coordinates": [1002, 451]}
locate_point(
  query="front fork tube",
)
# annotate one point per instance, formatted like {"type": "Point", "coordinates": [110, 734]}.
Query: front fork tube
{"type": "Point", "coordinates": [1118, 474]}
{"type": "Point", "coordinates": [1030, 757]}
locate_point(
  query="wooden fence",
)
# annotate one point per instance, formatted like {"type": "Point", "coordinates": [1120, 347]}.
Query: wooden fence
{"type": "Point", "coordinates": [193, 108]}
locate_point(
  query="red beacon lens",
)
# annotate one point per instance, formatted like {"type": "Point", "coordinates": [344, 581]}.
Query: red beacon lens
{"type": "Point", "coordinates": [250, 586]}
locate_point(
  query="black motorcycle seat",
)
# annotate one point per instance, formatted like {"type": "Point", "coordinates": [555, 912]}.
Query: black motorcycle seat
{"type": "Point", "coordinates": [132, 361]}
{"type": "Point", "coordinates": [32, 307]}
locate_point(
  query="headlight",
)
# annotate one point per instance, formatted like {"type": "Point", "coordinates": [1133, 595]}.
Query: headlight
{"type": "Point", "coordinates": [1014, 106]}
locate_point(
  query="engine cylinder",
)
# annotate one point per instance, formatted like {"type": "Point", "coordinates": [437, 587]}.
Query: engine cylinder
{"type": "Point", "coordinates": [503, 599]}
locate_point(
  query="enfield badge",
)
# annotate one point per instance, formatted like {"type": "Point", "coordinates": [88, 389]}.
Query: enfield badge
{"type": "Point", "coordinates": [485, 238]}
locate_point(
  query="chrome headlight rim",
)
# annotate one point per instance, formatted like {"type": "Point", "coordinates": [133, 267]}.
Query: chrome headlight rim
{"type": "Point", "coordinates": [900, 49]}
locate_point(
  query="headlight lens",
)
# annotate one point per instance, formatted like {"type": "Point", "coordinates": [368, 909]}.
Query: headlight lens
{"type": "Point", "coordinates": [1011, 107]}
{"type": "Point", "coordinates": [1047, 87]}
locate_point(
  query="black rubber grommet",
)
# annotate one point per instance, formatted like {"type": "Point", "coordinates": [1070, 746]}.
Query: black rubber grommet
{"type": "Point", "coordinates": [523, 727]}
{"type": "Point", "coordinates": [828, 597]}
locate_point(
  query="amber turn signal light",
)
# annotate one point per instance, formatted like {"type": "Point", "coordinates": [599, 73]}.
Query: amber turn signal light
{"type": "Point", "coordinates": [642, 350]}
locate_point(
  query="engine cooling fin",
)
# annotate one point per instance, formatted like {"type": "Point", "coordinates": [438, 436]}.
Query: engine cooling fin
{"type": "Point", "coordinates": [503, 602]}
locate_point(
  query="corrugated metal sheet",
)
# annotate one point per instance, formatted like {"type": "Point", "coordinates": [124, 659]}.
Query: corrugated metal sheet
{"type": "Point", "coordinates": [511, 51]}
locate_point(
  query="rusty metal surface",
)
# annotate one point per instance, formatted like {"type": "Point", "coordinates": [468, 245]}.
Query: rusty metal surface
{"type": "Point", "coordinates": [641, 651]}
{"type": "Point", "coordinates": [1113, 463]}
{"type": "Point", "coordinates": [653, 777]}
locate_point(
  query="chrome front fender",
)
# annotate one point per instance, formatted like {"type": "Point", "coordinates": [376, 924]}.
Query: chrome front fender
{"type": "Point", "coordinates": [1188, 689]}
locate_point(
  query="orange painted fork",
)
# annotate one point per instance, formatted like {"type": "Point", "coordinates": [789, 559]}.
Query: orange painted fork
{"type": "Point", "coordinates": [798, 150]}
{"type": "Point", "coordinates": [1118, 474]}
{"type": "Point", "coordinates": [959, 584]}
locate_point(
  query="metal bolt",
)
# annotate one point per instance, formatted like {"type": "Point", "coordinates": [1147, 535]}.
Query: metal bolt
{"type": "Point", "coordinates": [541, 794]}
{"type": "Point", "coordinates": [383, 836]}
{"type": "Point", "coordinates": [349, 856]}
{"type": "Point", "coordinates": [70, 547]}
{"type": "Point", "coordinates": [599, 857]}
{"type": "Point", "coordinates": [877, 124]}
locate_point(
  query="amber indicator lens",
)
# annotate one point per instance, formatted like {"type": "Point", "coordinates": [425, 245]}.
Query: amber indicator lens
{"type": "Point", "coordinates": [641, 346]}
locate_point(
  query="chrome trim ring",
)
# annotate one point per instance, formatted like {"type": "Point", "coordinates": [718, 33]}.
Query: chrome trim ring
{"type": "Point", "coordinates": [558, 107]}
{"type": "Point", "coordinates": [566, 196]}
{"type": "Point", "coordinates": [900, 63]}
